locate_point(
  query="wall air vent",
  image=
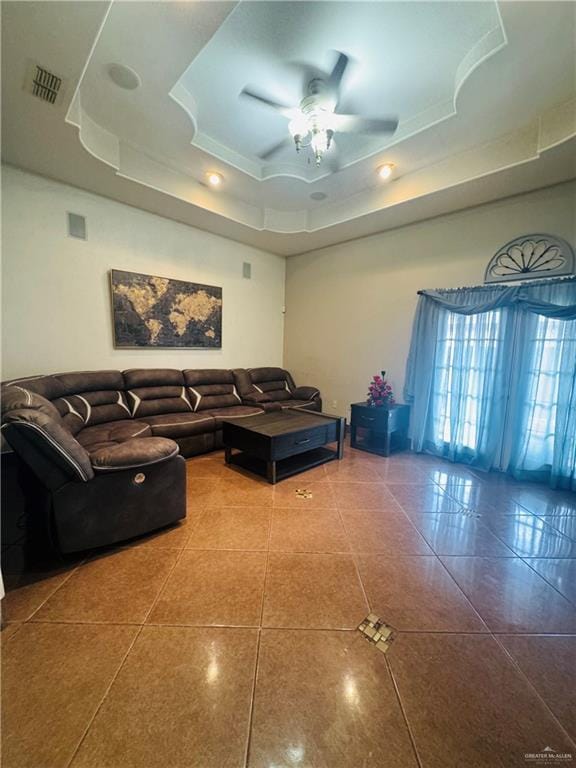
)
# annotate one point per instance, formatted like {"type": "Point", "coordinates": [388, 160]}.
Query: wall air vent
{"type": "Point", "coordinates": [43, 84]}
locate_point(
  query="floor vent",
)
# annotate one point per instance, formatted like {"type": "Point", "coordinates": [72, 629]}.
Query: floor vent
{"type": "Point", "coordinates": [43, 84]}
{"type": "Point", "coordinates": [469, 513]}
{"type": "Point", "coordinates": [303, 493]}
{"type": "Point", "coordinates": [377, 632]}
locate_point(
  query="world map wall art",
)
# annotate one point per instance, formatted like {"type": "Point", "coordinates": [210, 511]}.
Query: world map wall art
{"type": "Point", "coordinates": [153, 311]}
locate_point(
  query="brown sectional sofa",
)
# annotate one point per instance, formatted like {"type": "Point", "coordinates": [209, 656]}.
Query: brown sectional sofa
{"type": "Point", "coordinates": [108, 446]}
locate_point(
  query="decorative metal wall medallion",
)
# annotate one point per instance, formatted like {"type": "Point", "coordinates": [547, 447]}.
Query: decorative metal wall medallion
{"type": "Point", "coordinates": [531, 256]}
{"type": "Point", "coordinates": [377, 632]}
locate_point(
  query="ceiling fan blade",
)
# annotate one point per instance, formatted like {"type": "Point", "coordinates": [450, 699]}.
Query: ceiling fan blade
{"type": "Point", "coordinates": [357, 124]}
{"type": "Point", "coordinates": [247, 93]}
{"type": "Point", "coordinates": [338, 72]}
{"type": "Point", "coordinates": [332, 158]}
{"type": "Point", "coordinates": [275, 148]}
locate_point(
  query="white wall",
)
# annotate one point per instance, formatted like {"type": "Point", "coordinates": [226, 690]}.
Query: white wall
{"type": "Point", "coordinates": [349, 307]}
{"type": "Point", "coordinates": [56, 307]}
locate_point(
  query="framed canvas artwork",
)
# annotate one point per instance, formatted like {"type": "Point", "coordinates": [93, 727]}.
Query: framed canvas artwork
{"type": "Point", "coordinates": [150, 311]}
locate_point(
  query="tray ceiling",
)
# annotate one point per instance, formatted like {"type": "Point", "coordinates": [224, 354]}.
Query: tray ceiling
{"type": "Point", "coordinates": [483, 91]}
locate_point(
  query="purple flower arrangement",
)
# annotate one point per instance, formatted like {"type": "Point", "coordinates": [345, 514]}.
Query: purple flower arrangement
{"type": "Point", "coordinates": [380, 393]}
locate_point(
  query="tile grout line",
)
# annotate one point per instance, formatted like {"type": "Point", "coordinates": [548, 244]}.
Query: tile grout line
{"type": "Point", "coordinates": [470, 603]}
{"type": "Point", "coordinates": [123, 661]}
{"type": "Point", "coordinates": [527, 561]}
{"type": "Point", "coordinates": [58, 588]}
{"type": "Point", "coordinates": [403, 711]}
{"type": "Point", "coordinates": [531, 685]}
{"type": "Point", "coordinates": [354, 560]}
{"type": "Point", "coordinates": [259, 640]}
{"type": "Point", "coordinates": [397, 693]}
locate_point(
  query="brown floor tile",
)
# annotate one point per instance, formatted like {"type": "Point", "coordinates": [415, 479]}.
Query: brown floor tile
{"type": "Point", "coordinates": [510, 596]}
{"type": "Point", "coordinates": [313, 591]}
{"type": "Point", "coordinates": [213, 587]}
{"type": "Point", "coordinates": [350, 495]}
{"type": "Point", "coordinates": [27, 592]}
{"type": "Point", "coordinates": [459, 535]}
{"type": "Point", "coordinates": [423, 498]}
{"type": "Point", "coordinates": [173, 537]}
{"type": "Point", "coordinates": [549, 662]}
{"type": "Point", "coordinates": [346, 471]}
{"type": "Point", "coordinates": [561, 573]}
{"type": "Point", "coordinates": [530, 536]}
{"type": "Point", "coordinates": [564, 524]}
{"type": "Point", "coordinates": [54, 677]}
{"type": "Point", "coordinates": [322, 495]}
{"type": "Point", "coordinates": [308, 530]}
{"type": "Point", "coordinates": [467, 705]}
{"type": "Point", "coordinates": [232, 528]}
{"type": "Point", "coordinates": [8, 630]}
{"type": "Point", "coordinates": [181, 699]}
{"type": "Point", "coordinates": [406, 475]}
{"type": "Point", "coordinates": [206, 468]}
{"type": "Point", "coordinates": [325, 699]}
{"type": "Point", "coordinates": [388, 532]}
{"type": "Point", "coordinates": [449, 476]}
{"type": "Point", "coordinates": [199, 490]}
{"type": "Point", "coordinates": [416, 593]}
{"type": "Point", "coordinates": [117, 587]}
{"type": "Point", "coordinates": [237, 491]}
{"type": "Point", "coordinates": [543, 501]}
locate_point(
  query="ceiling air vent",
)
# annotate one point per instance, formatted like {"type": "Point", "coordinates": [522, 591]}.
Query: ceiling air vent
{"type": "Point", "coordinates": [42, 83]}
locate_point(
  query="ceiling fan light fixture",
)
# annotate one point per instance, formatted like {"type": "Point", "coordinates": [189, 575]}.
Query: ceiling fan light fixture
{"type": "Point", "coordinates": [214, 179]}
{"type": "Point", "coordinates": [385, 171]}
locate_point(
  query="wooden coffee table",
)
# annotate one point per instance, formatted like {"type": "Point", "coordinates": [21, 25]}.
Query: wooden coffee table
{"type": "Point", "coordinates": [279, 444]}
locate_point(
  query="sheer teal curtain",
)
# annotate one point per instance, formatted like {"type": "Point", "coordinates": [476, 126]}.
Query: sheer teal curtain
{"type": "Point", "coordinates": [543, 402]}
{"type": "Point", "coordinates": [491, 377]}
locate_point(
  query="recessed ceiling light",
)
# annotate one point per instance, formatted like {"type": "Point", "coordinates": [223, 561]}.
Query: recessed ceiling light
{"type": "Point", "coordinates": [124, 77]}
{"type": "Point", "coordinates": [214, 179]}
{"type": "Point", "coordinates": [385, 171]}
{"type": "Point", "coordinates": [318, 196]}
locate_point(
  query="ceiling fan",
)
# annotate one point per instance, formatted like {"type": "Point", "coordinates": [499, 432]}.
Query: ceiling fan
{"type": "Point", "coordinates": [315, 120]}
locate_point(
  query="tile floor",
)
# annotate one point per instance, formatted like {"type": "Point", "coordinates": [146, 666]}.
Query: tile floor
{"type": "Point", "coordinates": [230, 640]}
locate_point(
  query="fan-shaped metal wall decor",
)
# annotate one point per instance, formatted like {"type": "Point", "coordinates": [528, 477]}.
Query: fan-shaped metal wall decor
{"type": "Point", "coordinates": [531, 256]}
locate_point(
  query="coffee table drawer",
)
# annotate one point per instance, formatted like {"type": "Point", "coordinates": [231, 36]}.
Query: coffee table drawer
{"type": "Point", "coordinates": [289, 445]}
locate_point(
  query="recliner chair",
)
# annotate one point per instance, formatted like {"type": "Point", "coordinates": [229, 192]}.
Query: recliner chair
{"type": "Point", "coordinates": [123, 487]}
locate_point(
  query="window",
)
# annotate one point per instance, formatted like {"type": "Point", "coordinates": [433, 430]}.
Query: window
{"type": "Point", "coordinates": [467, 355]}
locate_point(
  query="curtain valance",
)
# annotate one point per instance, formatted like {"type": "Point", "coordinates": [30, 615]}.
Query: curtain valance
{"type": "Point", "coordinates": [531, 298]}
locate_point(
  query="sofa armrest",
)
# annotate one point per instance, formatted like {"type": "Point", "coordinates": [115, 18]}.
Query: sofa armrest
{"type": "Point", "coordinates": [133, 454]}
{"type": "Point", "coordinates": [306, 393]}
{"type": "Point", "coordinates": [46, 446]}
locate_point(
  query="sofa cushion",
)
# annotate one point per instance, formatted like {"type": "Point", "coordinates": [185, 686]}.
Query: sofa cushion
{"type": "Point", "coordinates": [133, 454]}
{"type": "Point", "coordinates": [85, 398]}
{"type": "Point", "coordinates": [234, 412]}
{"type": "Point", "coordinates": [266, 405]}
{"type": "Point", "coordinates": [211, 388]}
{"type": "Point", "coordinates": [177, 425]}
{"type": "Point", "coordinates": [113, 432]}
{"type": "Point", "coordinates": [81, 398]}
{"type": "Point", "coordinates": [274, 384]}
{"type": "Point", "coordinates": [152, 392]}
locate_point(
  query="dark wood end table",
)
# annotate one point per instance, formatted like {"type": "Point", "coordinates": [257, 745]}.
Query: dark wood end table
{"type": "Point", "coordinates": [379, 430]}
